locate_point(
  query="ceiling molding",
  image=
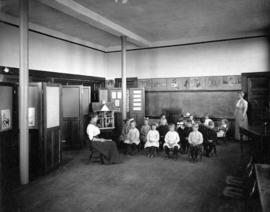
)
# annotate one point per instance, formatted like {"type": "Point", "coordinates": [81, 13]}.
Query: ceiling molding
{"type": "Point", "coordinates": [174, 43]}
{"type": "Point", "coordinates": [86, 15]}
{"type": "Point", "coordinates": [44, 30]}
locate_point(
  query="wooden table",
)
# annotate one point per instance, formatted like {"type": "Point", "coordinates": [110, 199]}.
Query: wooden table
{"type": "Point", "coordinates": [260, 137]}
{"type": "Point", "coordinates": [263, 181]}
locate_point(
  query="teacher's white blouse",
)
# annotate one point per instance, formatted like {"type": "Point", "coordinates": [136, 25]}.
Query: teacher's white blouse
{"type": "Point", "coordinates": [92, 131]}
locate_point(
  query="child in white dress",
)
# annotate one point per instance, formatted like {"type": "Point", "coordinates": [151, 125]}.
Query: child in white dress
{"type": "Point", "coordinates": [152, 141]}
{"type": "Point", "coordinates": [171, 142]}
{"type": "Point", "coordinates": [133, 139]}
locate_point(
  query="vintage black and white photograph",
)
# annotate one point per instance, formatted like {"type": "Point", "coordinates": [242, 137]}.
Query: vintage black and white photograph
{"type": "Point", "coordinates": [134, 105]}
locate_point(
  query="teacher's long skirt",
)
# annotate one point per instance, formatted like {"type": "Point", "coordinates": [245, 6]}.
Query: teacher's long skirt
{"type": "Point", "coordinates": [108, 151]}
{"type": "Point", "coordinates": [239, 122]}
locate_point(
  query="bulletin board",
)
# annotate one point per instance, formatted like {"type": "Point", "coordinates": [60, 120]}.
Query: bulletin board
{"type": "Point", "coordinates": [53, 106]}
{"type": "Point", "coordinates": [6, 96]}
{"type": "Point", "coordinates": [103, 95]}
{"type": "Point", "coordinates": [115, 97]}
{"type": "Point", "coordinates": [137, 104]}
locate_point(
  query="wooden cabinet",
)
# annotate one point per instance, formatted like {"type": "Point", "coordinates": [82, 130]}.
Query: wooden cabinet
{"type": "Point", "coordinates": [256, 86]}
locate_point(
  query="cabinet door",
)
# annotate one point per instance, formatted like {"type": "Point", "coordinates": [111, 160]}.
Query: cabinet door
{"type": "Point", "coordinates": [258, 98]}
{"type": "Point", "coordinates": [52, 123]}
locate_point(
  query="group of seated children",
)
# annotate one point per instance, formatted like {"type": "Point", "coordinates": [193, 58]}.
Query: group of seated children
{"type": "Point", "coordinates": [193, 137]}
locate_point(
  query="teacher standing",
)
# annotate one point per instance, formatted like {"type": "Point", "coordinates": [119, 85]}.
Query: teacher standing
{"type": "Point", "coordinates": [106, 147]}
{"type": "Point", "coordinates": [240, 114]}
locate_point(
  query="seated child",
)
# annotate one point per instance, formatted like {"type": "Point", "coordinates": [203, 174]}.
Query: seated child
{"type": "Point", "coordinates": [191, 117]}
{"type": "Point", "coordinates": [204, 130]}
{"type": "Point", "coordinates": [211, 139]}
{"type": "Point", "coordinates": [207, 119]}
{"type": "Point", "coordinates": [187, 130]}
{"type": "Point", "coordinates": [181, 133]}
{"type": "Point", "coordinates": [195, 140]}
{"type": "Point", "coordinates": [222, 129]}
{"type": "Point", "coordinates": [171, 142]}
{"type": "Point", "coordinates": [124, 133]}
{"type": "Point", "coordinates": [133, 139]}
{"type": "Point", "coordinates": [152, 141]}
{"type": "Point", "coordinates": [144, 131]}
{"type": "Point", "coordinates": [162, 129]}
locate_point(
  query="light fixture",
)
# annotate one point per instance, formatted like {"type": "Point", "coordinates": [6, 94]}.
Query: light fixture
{"type": "Point", "coordinates": [122, 1]}
{"type": "Point", "coordinates": [6, 70]}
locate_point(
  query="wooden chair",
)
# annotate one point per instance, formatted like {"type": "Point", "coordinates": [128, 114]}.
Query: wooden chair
{"type": "Point", "coordinates": [199, 150]}
{"type": "Point", "coordinates": [240, 193]}
{"type": "Point", "coordinates": [93, 153]}
{"type": "Point", "coordinates": [242, 181]}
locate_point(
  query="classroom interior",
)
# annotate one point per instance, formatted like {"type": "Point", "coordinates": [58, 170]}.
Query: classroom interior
{"type": "Point", "coordinates": [60, 61]}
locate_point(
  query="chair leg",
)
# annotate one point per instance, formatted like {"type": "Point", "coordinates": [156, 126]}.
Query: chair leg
{"type": "Point", "coordinates": [91, 155]}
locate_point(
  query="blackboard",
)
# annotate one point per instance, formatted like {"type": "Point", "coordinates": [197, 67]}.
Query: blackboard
{"type": "Point", "coordinates": [219, 104]}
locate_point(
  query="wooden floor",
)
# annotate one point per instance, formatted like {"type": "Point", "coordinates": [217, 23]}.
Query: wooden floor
{"type": "Point", "coordinates": [138, 184]}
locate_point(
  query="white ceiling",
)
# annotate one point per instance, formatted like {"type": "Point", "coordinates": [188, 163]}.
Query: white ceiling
{"type": "Point", "coordinates": [158, 22]}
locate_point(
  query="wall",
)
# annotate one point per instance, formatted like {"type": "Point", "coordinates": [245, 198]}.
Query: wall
{"type": "Point", "coordinates": [209, 59]}
{"type": "Point", "coordinates": [50, 54]}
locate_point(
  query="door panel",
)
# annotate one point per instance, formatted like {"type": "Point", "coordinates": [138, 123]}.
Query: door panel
{"type": "Point", "coordinates": [86, 100]}
{"type": "Point", "coordinates": [71, 106]}
{"type": "Point", "coordinates": [36, 163]}
{"type": "Point", "coordinates": [51, 132]}
{"type": "Point", "coordinates": [9, 155]}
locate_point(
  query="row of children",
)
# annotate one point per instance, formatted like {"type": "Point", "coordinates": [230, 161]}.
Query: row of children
{"type": "Point", "coordinates": [188, 134]}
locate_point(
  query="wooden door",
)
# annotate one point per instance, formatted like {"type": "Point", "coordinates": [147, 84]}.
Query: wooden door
{"type": "Point", "coordinates": [137, 104]}
{"type": "Point", "coordinates": [51, 126]}
{"type": "Point", "coordinates": [9, 155]}
{"type": "Point", "coordinates": [35, 123]}
{"type": "Point", "coordinates": [85, 103]}
{"type": "Point", "coordinates": [256, 85]}
{"type": "Point", "coordinates": [71, 115]}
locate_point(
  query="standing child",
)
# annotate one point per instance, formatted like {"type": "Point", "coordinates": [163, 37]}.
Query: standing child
{"type": "Point", "coordinates": [133, 139]}
{"type": "Point", "coordinates": [144, 131]}
{"type": "Point", "coordinates": [171, 142]}
{"type": "Point", "coordinates": [152, 142]}
{"type": "Point", "coordinates": [211, 139]}
{"type": "Point", "coordinates": [195, 140]}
